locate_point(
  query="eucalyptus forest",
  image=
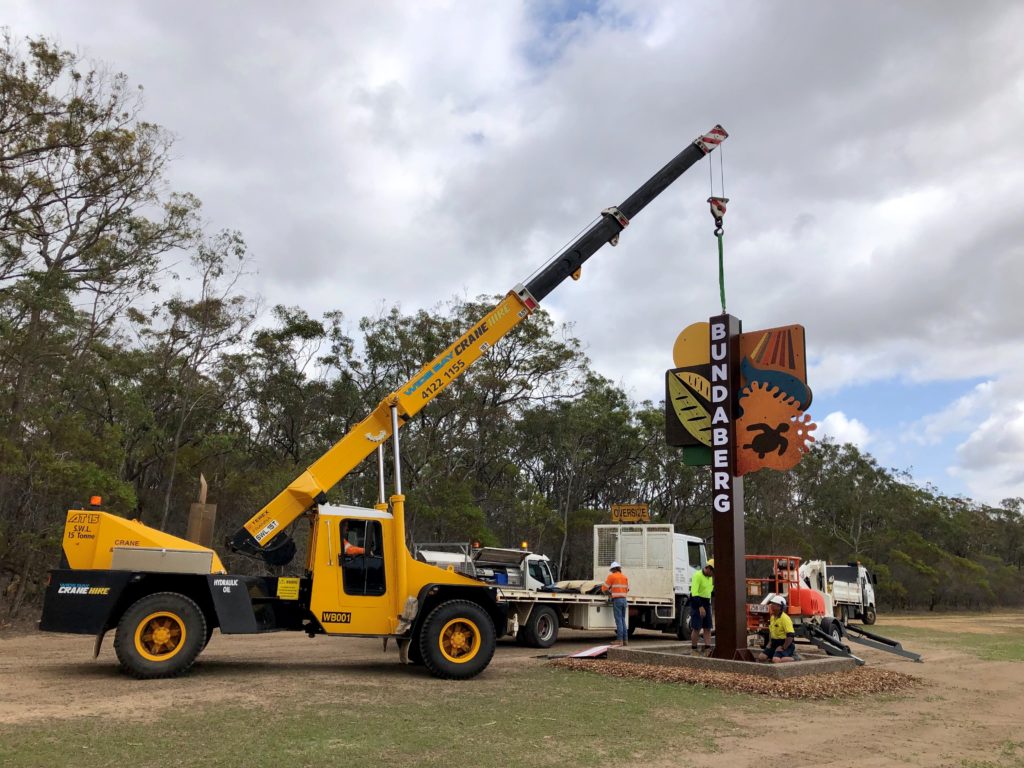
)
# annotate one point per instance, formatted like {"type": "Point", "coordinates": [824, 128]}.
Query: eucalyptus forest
{"type": "Point", "coordinates": [131, 362]}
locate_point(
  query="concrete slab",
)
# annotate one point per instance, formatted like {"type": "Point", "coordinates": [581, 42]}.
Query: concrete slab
{"type": "Point", "coordinates": [812, 663]}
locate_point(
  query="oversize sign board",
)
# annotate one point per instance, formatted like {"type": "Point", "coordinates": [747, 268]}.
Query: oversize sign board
{"type": "Point", "coordinates": [630, 513]}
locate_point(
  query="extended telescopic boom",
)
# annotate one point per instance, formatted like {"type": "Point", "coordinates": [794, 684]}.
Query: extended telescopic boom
{"type": "Point", "coordinates": [310, 488]}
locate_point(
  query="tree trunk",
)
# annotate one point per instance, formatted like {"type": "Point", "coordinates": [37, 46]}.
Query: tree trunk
{"type": "Point", "coordinates": [174, 469]}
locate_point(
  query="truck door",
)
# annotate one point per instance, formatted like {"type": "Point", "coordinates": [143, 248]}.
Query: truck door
{"type": "Point", "coordinates": [697, 555]}
{"type": "Point", "coordinates": [540, 574]}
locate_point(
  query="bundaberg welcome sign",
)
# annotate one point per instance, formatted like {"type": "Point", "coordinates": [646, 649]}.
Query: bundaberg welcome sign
{"type": "Point", "coordinates": [736, 402]}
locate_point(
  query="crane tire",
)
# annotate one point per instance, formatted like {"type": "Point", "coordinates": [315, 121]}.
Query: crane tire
{"type": "Point", "coordinates": [457, 640]}
{"type": "Point", "coordinates": [160, 635]}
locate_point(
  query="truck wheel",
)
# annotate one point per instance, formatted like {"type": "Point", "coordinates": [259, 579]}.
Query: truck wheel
{"type": "Point", "coordinates": [683, 629]}
{"type": "Point", "coordinates": [541, 630]}
{"type": "Point", "coordinates": [630, 630]}
{"type": "Point", "coordinates": [457, 640]}
{"type": "Point", "coordinates": [834, 630]}
{"type": "Point", "coordinates": [160, 635]}
{"type": "Point", "coordinates": [869, 615]}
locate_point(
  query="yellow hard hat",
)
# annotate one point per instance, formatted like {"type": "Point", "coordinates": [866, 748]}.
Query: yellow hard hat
{"type": "Point", "coordinates": [711, 562]}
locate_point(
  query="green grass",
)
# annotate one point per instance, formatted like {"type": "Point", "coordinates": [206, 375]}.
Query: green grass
{"type": "Point", "coordinates": [542, 717]}
{"type": "Point", "coordinates": [1006, 645]}
{"type": "Point", "coordinates": [1011, 755]}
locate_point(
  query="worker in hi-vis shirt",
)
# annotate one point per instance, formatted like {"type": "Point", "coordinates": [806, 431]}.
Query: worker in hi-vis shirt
{"type": "Point", "coordinates": [617, 587]}
{"type": "Point", "coordinates": [702, 585]}
{"type": "Point", "coordinates": [781, 635]}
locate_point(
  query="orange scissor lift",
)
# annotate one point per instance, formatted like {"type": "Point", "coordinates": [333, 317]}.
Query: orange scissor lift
{"type": "Point", "coordinates": [807, 607]}
{"type": "Point", "coordinates": [780, 575]}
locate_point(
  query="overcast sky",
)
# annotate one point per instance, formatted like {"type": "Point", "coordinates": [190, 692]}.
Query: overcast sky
{"type": "Point", "coordinates": [374, 153]}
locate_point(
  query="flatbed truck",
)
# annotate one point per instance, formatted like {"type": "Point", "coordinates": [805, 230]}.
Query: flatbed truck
{"type": "Point", "coordinates": [658, 562]}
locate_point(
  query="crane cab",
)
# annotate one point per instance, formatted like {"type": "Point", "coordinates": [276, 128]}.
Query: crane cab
{"type": "Point", "coordinates": [358, 560]}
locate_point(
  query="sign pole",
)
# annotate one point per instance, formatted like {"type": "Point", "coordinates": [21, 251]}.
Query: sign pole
{"type": "Point", "coordinates": [727, 493]}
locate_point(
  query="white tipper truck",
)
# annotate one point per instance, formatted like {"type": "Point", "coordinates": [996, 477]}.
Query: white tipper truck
{"type": "Point", "coordinates": [658, 562]}
{"type": "Point", "coordinates": [850, 588]}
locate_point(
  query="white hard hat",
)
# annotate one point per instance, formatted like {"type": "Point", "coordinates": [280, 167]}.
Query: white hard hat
{"type": "Point", "coordinates": [614, 565]}
{"type": "Point", "coordinates": [778, 600]}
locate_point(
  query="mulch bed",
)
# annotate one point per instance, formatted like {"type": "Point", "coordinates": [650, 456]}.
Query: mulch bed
{"type": "Point", "coordinates": [854, 682]}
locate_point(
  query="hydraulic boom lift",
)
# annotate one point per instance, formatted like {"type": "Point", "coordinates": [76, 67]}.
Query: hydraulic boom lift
{"type": "Point", "coordinates": [165, 595]}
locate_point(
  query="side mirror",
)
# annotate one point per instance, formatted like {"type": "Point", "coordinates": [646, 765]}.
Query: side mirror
{"type": "Point", "coordinates": [831, 579]}
{"type": "Point", "coordinates": [874, 579]}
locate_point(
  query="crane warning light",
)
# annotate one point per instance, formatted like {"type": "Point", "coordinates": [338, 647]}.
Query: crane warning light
{"type": "Point", "coordinates": [95, 501]}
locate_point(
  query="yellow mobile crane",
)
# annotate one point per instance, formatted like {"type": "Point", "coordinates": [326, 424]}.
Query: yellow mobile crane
{"type": "Point", "coordinates": [164, 595]}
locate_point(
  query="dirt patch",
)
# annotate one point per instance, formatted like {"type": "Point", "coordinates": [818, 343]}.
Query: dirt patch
{"type": "Point", "coordinates": [855, 682]}
{"type": "Point", "coordinates": [965, 709]}
{"type": "Point", "coordinates": [965, 712]}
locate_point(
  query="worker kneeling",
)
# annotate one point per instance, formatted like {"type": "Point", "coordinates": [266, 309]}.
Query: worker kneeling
{"type": "Point", "coordinates": [781, 635]}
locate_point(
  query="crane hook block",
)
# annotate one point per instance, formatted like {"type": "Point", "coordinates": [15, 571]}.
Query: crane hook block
{"type": "Point", "coordinates": [718, 208]}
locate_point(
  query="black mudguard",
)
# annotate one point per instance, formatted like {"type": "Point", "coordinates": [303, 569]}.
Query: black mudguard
{"type": "Point", "coordinates": [80, 602]}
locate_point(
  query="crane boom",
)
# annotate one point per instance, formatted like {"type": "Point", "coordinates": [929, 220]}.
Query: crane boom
{"type": "Point", "coordinates": [310, 487]}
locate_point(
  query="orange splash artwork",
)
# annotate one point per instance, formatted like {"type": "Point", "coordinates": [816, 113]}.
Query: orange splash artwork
{"type": "Point", "coordinates": [773, 431]}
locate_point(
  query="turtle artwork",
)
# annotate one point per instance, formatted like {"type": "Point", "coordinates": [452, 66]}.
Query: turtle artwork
{"type": "Point", "coordinates": [769, 440]}
{"type": "Point", "coordinates": [763, 445]}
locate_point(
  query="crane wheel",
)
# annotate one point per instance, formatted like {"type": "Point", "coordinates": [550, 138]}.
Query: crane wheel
{"type": "Point", "coordinates": [457, 640]}
{"type": "Point", "coordinates": [160, 635]}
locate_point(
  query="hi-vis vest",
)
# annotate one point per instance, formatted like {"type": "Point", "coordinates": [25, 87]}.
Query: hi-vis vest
{"type": "Point", "coordinates": [617, 584]}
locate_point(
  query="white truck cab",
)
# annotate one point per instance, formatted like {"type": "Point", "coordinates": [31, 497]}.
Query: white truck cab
{"type": "Point", "coordinates": [849, 589]}
{"type": "Point", "coordinates": [513, 568]}
{"type": "Point", "coordinates": [689, 555]}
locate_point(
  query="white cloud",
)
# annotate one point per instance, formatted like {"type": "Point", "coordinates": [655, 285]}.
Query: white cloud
{"type": "Point", "coordinates": [991, 460]}
{"type": "Point", "coordinates": [959, 417]}
{"type": "Point", "coordinates": [843, 429]}
{"type": "Point", "coordinates": [406, 153]}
